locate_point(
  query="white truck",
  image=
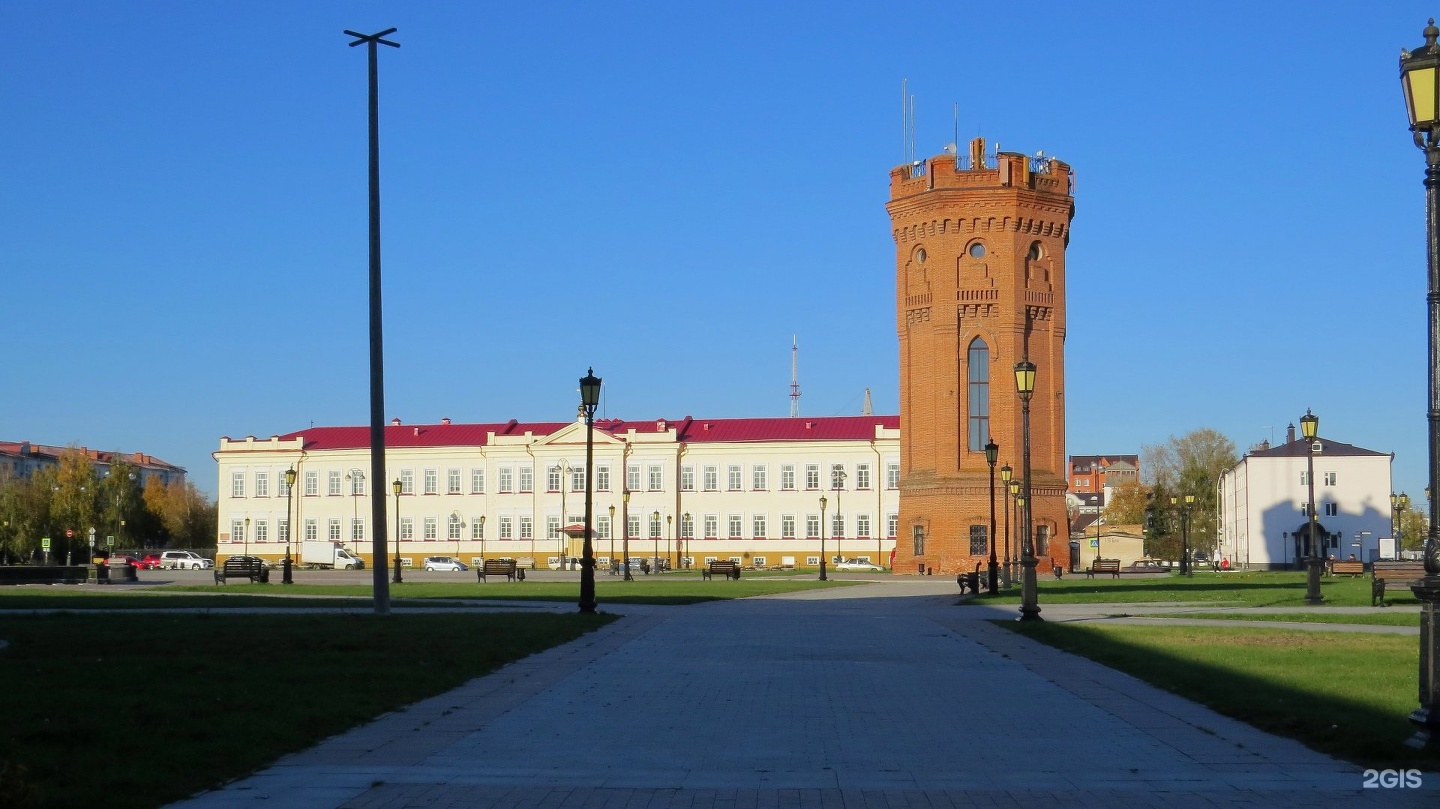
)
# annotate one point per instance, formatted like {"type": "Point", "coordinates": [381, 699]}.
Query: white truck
{"type": "Point", "coordinates": [323, 553]}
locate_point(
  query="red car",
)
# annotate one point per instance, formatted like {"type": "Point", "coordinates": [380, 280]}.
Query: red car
{"type": "Point", "coordinates": [150, 562]}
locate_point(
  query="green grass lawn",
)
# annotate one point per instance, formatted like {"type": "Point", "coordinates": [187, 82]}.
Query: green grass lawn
{"type": "Point", "coordinates": [1259, 589]}
{"type": "Point", "coordinates": [666, 590]}
{"type": "Point", "coordinates": [139, 710]}
{"type": "Point", "coordinates": [1377, 618]}
{"type": "Point", "coordinates": [1344, 694]}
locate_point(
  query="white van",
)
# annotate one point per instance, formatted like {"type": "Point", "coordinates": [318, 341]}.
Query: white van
{"type": "Point", "coordinates": [184, 560]}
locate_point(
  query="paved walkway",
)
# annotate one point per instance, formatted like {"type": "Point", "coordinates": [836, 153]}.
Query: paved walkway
{"type": "Point", "coordinates": [868, 696]}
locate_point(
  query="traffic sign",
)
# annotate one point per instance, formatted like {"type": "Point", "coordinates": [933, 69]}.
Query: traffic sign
{"type": "Point", "coordinates": [110, 540]}
{"type": "Point", "coordinates": [69, 532]}
{"type": "Point", "coordinates": [45, 543]}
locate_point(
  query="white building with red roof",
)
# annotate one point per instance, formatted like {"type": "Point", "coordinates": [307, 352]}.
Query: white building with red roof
{"type": "Point", "coordinates": [699, 489]}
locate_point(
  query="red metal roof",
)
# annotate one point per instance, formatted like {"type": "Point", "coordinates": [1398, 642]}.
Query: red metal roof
{"type": "Point", "coordinates": [823, 428]}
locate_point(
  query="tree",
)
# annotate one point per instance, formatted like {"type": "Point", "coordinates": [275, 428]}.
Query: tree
{"type": "Point", "coordinates": [1413, 530]}
{"type": "Point", "coordinates": [185, 514]}
{"type": "Point", "coordinates": [1190, 464]}
{"type": "Point", "coordinates": [1127, 504]}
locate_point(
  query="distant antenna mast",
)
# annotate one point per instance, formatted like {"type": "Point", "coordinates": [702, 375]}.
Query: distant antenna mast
{"type": "Point", "coordinates": [867, 410]}
{"type": "Point", "coordinates": [794, 377]}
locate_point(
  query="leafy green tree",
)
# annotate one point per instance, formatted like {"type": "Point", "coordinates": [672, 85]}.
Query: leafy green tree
{"type": "Point", "coordinates": [1126, 505]}
{"type": "Point", "coordinates": [1189, 464]}
{"type": "Point", "coordinates": [1414, 527]}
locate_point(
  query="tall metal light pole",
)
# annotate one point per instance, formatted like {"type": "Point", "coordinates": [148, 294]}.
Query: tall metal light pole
{"type": "Point", "coordinates": [669, 537]}
{"type": "Point", "coordinates": [564, 484]}
{"type": "Point", "coordinates": [377, 353]}
{"type": "Point", "coordinates": [246, 538]}
{"type": "Point", "coordinates": [1029, 596]}
{"type": "Point", "coordinates": [1309, 428]}
{"type": "Point", "coordinates": [992, 452]}
{"type": "Point", "coordinates": [397, 486]}
{"type": "Point", "coordinates": [685, 520]}
{"type": "Point", "coordinates": [1012, 489]}
{"type": "Point", "coordinates": [285, 576]}
{"type": "Point", "coordinates": [589, 401]}
{"type": "Point", "coordinates": [837, 482]}
{"type": "Point", "coordinates": [356, 479]}
{"type": "Point", "coordinates": [482, 540]}
{"type": "Point", "coordinates": [823, 529]}
{"type": "Point", "coordinates": [655, 535]}
{"type": "Point", "coordinates": [1420, 78]}
{"type": "Point", "coordinates": [611, 533]}
{"type": "Point", "coordinates": [625, 537]}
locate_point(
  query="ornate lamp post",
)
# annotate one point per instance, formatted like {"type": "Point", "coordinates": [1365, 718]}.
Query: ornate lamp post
{"type": "Point", "coordinates": [1187, 568]}
{"type": "Point", "coordinates": [285, 577]}
{"type": "Point", "coordinates": [1420, 79]}
{"type": "Point", "coordinates": [837, 482]}
{"type": "Point", "coordinates": [589, 401]}
{"type": "Point", "coordinates": [611, 532]}
{"type": "Point", "coordinates": [1025, 387]}
{"type": "Point", "coordinates": [669, 537]}
{"type": "Point", "coordinates": [992, 452]}
{"type": "Point", "coordinates": [823, 501]}
{"type": "Point", "coordinates": [482, 540]}
{"type": "Point", "coordinates": [625, 537]}
{"type": "Point", "coordinates": [396, 487]}
{"type": "Point", "coordinates": [246, 538]}
{"type": "Point", "coordinates": [655, 536]}
{"type": "Point", "coordinates": [686, 519]}
{"type": "Point", "coordinates": [1012, 486]}
{"type": "Point", "coordinates": [1309, 428]}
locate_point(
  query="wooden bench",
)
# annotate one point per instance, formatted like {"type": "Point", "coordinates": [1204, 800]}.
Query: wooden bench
{"type": "Point", "coordinates": [500, 567]}
{"type": "Point", "coordinates": [1347, 568]}
{"type": "Point", "coordinates": [246, 567]}
{"type": "Point", "coordinates": [1401, 572]}
{"type": "Point", "coordinates": [729, 570]}
{"type": "Point", "coordinates": [1111, 566]}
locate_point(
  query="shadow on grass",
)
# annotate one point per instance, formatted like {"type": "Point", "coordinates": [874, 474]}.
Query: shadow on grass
{"type": "Point", "coordinates": [1348, 696]}
{"type": "Point", "coordinates": [1249, 589]}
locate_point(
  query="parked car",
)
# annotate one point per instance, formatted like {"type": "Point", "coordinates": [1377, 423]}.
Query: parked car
{"type": "Point", "coordinates": [858, 564]}
{"type": "Point", "coordinates": [151, 561]}
{"type": "Point", "coordinates": [1144, 566]}
{"type": "Point", "coordinates": [185, 560]}
{"type": "Point", "coordinates": [120, 561]}
{"type": "Point", "coordinates": [446, 563]}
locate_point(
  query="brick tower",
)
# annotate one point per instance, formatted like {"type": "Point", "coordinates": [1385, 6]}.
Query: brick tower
{"type": "Point", "coordinates": [979, 286]}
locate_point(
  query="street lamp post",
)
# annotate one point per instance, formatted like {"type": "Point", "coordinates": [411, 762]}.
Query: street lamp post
{"type": "Point", "coordinates": [611, 532]}
{"type": "Point", "coordinates": [625, 537]}
{"type": "Point", "coordinates": [356, 478]}
{"type": "Point", "coordinates": [1420, 79]}
{"type": "Point", "coordinates": [823, 501]}
{"type": "Point", "coordinates": [396, 487]}
{"type": "Point", "coordinates": [686, 519]}
{"type": "Point", "coordinates": [246, 537]}
{"type": "Point", "coordinates": [285, 575]}
{"type": "Point", "coordinates": [589, 401]}
{"type": "Point", "coordinates": [992, 452]}
{"type": "Point", "coordinates": [1012, 487]}
{"type": "Point", "coordinates": [482, 540]}
{"type": "Point", "coordinates": [669, 538]}
{"type": "Point", "coordinates": [1309, 428]}
{"type": "Point", "coordinates": [457, 526]}
{"type": "Point", "coordinates": [1025, 387]}
{"type": "Point", "coordinates": [1187, 567]}
{"type": "Point", "coordinates": [837, 482]}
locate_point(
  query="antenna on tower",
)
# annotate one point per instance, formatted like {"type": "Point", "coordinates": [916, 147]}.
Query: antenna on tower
{"type": "Point", "coordinates": [867, 410]}
{"type": "Point", "coordinates": [794, 377]}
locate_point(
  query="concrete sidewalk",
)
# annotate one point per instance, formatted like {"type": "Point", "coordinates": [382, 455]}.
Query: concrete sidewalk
{"type": "Point", "coordinates": [882, 695]}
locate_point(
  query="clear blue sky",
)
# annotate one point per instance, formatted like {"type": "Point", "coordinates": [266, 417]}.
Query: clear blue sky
{"type": "Point", "coordinates": [667, 191]}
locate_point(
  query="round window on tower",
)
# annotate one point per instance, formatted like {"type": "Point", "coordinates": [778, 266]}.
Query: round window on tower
{"type": "Point", "coordinates": [1035, 252]}
{"type": "Point", "coordinates": [977, 250]}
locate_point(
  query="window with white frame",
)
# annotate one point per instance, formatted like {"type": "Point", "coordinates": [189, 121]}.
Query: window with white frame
{"type": "Point", "coordinates": [655, 525]}
{"type": "Point", "coordinates": [1304, 479]}
{"type": "Point", "coordinates": [334, 526]}
{"type": "Point", "coordinates": [862, 526]}
{"type": "Point", "coordinates": [283, 530]}
{"type": "Point", "coordinates": [552, 527]}
{"type": "Point", "coordinates": [837, 476]}
{"type": "Point", "coordinates": [407, 529]}
{"type": "Point", "coordinates": [357, 482]}
{"type": "Point", "coordinates": [477, 480]}
{"type": "Point", "coordinates": [687, 478]}
{"type": "Point", "coordinates": [712, 526]}
{"type": "Point", "coordinates": [453, 526]}
{"type": "Point", "coordinates": [477, 528]}
{"type": "Point", "coordinates": [407, 481]}
{"type": "Point", "coordinates": [732, 477]}
{"type": "Point", "coordinates": [507, 480]}
{"type": "Point", "coordinates": [812, 476]}
{"type": "Point", "coordinates": [787, 477]}
{"type": "Point", "coordinates": [553, 475]}
{"type": "Point", "coordinates": [262, 484]}
{"type": "Point", "coordinates": [262, 531]}
{"type": "Point", "coordinates": [602, 478]}
{"type": "Point", "coordinates": [1329, 481]}
{"type": "Point", "coordinates": [452, 481]}
{"type": "Point", "coordinates": [333, 489]}
{"type": "Point", "coordinates": [237, 484]}
{"type": "Point", "coordinates": [655, 477]}
{"type": "Point", "coordinates": [282, 488]}
{"type": "Point", "coordinates": [892, 475]}
{"type": "Point", "coordinates": [712, 478]}
{"type": "Point", "coordinates": [312, 530]}
{"type": "Point", "coordinates": [757, 526]}
{"type": "Point", "coordinates": [687, 526]}
{"type": "Point", "coordinates": [632, 526]}
{"type": "Point", "coordinates": [759, 478]}
{"type": "Point", "coordinates": [917, 538]}
{"type": "Point", "coordinates": [787, 526]}
{"type": "Point", "coordinates": [312, 484]}
{"type": "Point", "coordinates": [632, 477]}
{"type": "Point", "coordinates": [527, 479]}
{"type": "Point", "coordinates": [577, 479]}
{"type": "Point", "coordinates": [432, 481]}
{"type": "Point", "coordinates": [507, 527]}
{"type": "Point", "coordinates": [602, 527]}
{"type": "Point", "coordinates": [837, 526]}
{"type": "Point", "coordinates": [812, 561]}
{"type": "Point", "coordinates": [760, 561]}
{"type": "Point", "coordinates": [357, 529]}
{"type": "Point", "coordinates": [862, 476]}
{"type": "Point", "coordinates": [237, 530]}
{"type": "Point", "coordinates": [812, 526]}
{"type": "Point", "coordinates": [736, 525]}
{"type": "Point", "coordinates": [892, 526]}
{"type": "Point", "coordinates": [431, 528]}
{"type": "Point", "coordinates": [1332, 509]}
{"type": "Point", "coordinates": [527, 527]}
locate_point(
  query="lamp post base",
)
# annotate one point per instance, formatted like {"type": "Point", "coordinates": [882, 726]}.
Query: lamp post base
{"type": "Point", "coordinates": [1427, 716]}
{"type": "Point", "coordinates": [994, 572]}
{"type": "Point", "coordinates": [1029, 608]}
{"type": "Point", "coordinates": [285, 577]}
{"type": "Point", "coordinates": [396, 579]}
{"type": "Point", "coordinates": [1313, 564]}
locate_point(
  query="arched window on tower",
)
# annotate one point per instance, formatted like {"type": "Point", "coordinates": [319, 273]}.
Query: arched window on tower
{"type": "Point", "coordinates": [978, 374]}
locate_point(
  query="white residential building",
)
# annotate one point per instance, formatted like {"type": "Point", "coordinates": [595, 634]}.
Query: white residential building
{"type": "Point", "coordinates": [1264, 500]}
{"type": "Point", "coordinates": [699, 489]}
